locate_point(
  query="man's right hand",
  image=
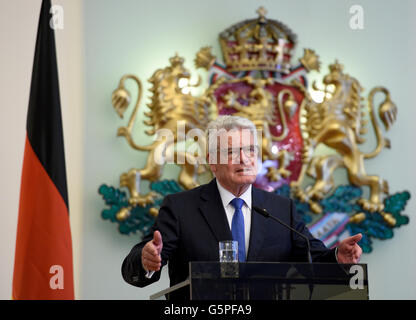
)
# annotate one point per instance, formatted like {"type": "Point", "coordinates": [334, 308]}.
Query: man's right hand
{"type": "Point", "coordinates": [151, 259]}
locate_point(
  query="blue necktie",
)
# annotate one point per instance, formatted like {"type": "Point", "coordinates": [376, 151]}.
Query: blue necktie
{"type": "Point", "coordinates": [237, 228]}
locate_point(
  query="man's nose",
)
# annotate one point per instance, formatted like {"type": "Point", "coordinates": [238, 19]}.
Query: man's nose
{"type": "Point", "coordinates": [243, 158]}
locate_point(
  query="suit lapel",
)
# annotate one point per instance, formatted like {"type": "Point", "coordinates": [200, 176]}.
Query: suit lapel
{"type": "Point", "coordinates": [214, 213]}
{"type": "Point", "coordinates": [257, 231]}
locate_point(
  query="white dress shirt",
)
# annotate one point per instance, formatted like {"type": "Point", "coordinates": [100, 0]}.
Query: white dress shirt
{"type": "Point", "coordinates": [227, 197]}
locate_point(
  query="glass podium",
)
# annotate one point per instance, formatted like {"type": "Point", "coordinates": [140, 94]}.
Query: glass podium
{"type": "Point", "coordinates": [270, 281]}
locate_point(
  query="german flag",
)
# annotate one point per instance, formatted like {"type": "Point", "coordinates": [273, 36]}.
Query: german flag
{"type": "Point", "coordinates": [43, 266]}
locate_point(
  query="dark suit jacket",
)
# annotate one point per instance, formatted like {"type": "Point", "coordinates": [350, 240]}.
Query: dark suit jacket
{"type": "Point", "coordinates": [193, 222]}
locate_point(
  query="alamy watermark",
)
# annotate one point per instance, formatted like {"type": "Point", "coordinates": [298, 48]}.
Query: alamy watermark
{"type": "Point", "coordinates": [357, 280]}
{"type": "Point", "coordinates": [57, 20]}
{"type": "Point", "coordinates": [56, 282]}
{"type": "Point", "coordinates": [357, 17]}
{"type": "Point", "coordinates": [193, 146]}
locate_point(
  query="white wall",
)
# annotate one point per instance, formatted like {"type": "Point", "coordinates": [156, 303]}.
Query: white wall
{"type": "Point", "coordinates": [104, 39]}
{"type": "Point", "coordinates": [140, 36]}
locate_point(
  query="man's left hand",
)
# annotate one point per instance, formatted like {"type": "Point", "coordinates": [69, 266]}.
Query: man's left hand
{"type": "Point", "coordinates": [349, 251]}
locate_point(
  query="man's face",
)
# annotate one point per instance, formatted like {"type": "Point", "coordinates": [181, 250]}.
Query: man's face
{"type": "Point", "coordinates": [236, 163]}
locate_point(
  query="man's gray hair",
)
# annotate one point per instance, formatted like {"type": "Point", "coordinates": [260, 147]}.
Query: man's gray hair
{"type": "Point", "coordinates": [227, 123]}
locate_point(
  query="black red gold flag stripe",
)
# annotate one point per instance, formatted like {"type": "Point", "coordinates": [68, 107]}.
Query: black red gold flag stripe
{"type": "Point", "coordinates": [43, 266]}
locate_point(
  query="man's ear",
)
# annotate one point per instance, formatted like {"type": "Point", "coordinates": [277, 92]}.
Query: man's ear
{"type": "Point", "coordinates": [213, 167]}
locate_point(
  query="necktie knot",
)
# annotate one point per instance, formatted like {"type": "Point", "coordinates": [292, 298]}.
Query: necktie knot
{"type": "Point", "coordinates": [237, 203]}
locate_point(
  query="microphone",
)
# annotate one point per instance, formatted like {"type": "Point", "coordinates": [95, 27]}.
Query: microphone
{"type": "Point", "coordinates": [265, 214]}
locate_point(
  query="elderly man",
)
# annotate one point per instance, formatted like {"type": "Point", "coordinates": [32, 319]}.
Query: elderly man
{"type": "Point", "coordinates": [190, 224]}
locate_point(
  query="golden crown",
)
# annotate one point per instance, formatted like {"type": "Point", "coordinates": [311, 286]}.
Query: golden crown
{"type": "Point", "coordinates": [336, 67]}
{"type": "Point", "coordinates": [258, 44]}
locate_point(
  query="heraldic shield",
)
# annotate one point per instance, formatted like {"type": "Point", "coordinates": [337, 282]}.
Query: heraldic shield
{"type": "Point", "coordinates": [274, 108]}
{"type": "Point", "coordinates": [257, 80]}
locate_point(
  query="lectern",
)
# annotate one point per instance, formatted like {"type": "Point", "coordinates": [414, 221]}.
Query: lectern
{"type": "Point", "coordinates": [270, 281]}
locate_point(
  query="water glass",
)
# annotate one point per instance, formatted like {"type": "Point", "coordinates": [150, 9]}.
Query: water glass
{"type": "Point", "coordinates": [228, 251]}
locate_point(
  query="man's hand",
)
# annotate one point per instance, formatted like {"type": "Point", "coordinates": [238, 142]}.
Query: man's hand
{"type": "Point", "coordinates": [349, 251]}
{"type": "Point", "coordinates": [151, 259]}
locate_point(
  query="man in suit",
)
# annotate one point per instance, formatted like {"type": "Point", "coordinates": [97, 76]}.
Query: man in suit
{"type": "Point", "coordinates": [191, 223]}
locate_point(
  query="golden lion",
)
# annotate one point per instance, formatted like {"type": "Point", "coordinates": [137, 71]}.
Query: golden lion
{"type": "Point", "coordinates": [338, 123]}
{"type": "Point", "coordinates": [169, 109]}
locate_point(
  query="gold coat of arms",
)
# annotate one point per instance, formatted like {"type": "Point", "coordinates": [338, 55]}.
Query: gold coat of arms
{"type": "Point", "coordinates": [257, 79]}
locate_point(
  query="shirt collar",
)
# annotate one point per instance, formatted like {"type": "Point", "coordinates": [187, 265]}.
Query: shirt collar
{"type": "Point", "coordinates": [227, 196]}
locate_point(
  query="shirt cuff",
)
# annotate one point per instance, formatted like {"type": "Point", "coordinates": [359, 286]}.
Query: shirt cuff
{"type": "Point", "coordinates": [336, 254]}
{"type": "Point", "coordinates": [148, 274]}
